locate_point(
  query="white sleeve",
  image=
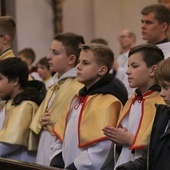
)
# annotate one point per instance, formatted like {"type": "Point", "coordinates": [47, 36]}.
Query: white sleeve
{"type": "Point", "coordinates": [94, 156]}
{"type": "Point", "coordinates": [56, 148]}
{"type": "Point", "coordinates": [121, 73]}
{"type": "Point", "coordinates": [6, 148]}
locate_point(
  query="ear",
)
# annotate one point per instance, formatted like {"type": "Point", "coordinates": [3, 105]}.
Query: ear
{"type": "Point", "coordinates": [6, 38]}
{"type": "Point", "coordinates": [71, 59]}
{"type": "Point", "coordinates": [152, 70]}
{"type": "Point", "coordinates": [15, 82]}
{"type": "Point", "coordinates": [164, 26]}
{"type": "Point", "coordinates": [102, 71]}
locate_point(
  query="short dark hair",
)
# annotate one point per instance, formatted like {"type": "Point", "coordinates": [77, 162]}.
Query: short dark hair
{"type": "Point", "coordinates": [28, 53]}
{"type": "Point", "coordinates": [162, 12]}
{"type": "Point", "coordinates": [8, 26]}
{"type": "Point", "coordinates": [99, 41]}
{"type": "Point", "coordinates": [71, 42]}
{"type": "Point", "coordinates": [102, 53]}
{"type": "Point", "coordinates": [44, 61]}
{"type": "Point", "coordinates": [151, 53]}
{"type": "Point", "coordinates": [14, 68]}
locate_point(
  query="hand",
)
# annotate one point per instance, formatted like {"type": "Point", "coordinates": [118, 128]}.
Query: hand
{"type": "Point", "coordinates": [119, 136]}
{"type": "Point", "coordinates": [45, 119]}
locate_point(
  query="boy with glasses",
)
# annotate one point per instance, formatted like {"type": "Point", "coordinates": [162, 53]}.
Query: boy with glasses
{"type": "Point", "coordinates": [7, 34]}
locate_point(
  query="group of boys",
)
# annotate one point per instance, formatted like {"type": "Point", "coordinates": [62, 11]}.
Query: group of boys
{"type": "Point", "coordinates": [85, 120]}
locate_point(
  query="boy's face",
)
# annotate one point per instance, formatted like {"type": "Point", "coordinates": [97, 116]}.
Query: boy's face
{"type": "Point", "coordinates": [165, 91]}
{"type": "Point", "coordinates": [23, 58]}
{"type": "Point", "coordinates": [139, 75]}
{"type": "Point", "coordinates": [43, 71]}
{"type": "Point", "coordinates": [57, 58]}
{"type": "Point", "coordinates": [151, 28]}
{"type": "Point", "coordinates": [6, 87]}
{"type": "Point", "coordinates": [87, 69]}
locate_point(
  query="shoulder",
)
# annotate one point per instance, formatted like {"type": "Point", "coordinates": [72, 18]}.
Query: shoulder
{"type": "Point", "coordinates": [74, 83]}
{"type": "Point", "coordinates": [105, 99]}
{"type": "Point", "coordinates": [28, 104]}
{"type": "Point", "coordinates": [161, 108]}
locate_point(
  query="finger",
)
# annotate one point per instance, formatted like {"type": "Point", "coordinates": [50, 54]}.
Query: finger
{"type": "Point", "coordinates": [109, 127]}
{"type": "Point", "coordinates": [46, 114]}
{"type": "Point", "coordinates": [45, 119]}
{"type": "Point", "coordinates": [45, 123]}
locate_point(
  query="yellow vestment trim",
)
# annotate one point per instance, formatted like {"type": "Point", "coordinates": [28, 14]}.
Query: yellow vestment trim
{"type": "Point", "coordinates": [148, 114]}
{"type": "Point", "coordinates": [8, 54]}
{"type": "Point", "coordinates": [97, 112]}
{"type": "Point", "coordinates": [65, 90]}
{"type": "Point", "coordinates": [15, 129]}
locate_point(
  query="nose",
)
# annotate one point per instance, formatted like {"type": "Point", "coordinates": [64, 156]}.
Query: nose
{"type": "Point", "coordinates": [78, 66]}
{"type": "Point", "coordinates": [38, 70]}
{"type": "Point", "coordinates": [128, 71]}
{"type": "Point", "coordinates": [162, 92]}
{"type": "Point", "coordinates": [143, 26]}
{"type": "Point", "coordinates": [49, 55]}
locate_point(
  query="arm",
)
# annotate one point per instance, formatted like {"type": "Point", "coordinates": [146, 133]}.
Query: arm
{"type": "Point", "coordinates": [138, 164]}
{"type": "Point", "coordinates": [6, 149]}
{"type": "Point", "coordinates": [93, 157]}
{"type": "Point", "coordinates": [119, 136]}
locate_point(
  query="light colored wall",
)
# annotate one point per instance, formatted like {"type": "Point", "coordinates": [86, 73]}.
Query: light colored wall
{"type": "Point", "coordinates": [104, 18]}
{"type": "Point", "coordinates": [34, 25]}
{"type": "Point", "coordinates": [91, 18]}
{"type": "Point", "coordinates": [78, 17]}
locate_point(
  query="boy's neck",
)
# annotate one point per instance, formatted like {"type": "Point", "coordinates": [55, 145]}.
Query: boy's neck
{"type": "Point", "coordinates": [145, 88]}
{"type": "Point", "coordinates": [47, 78]}
{"type": "Point", "coordinates": [16, 92]}
{"type": "Point", "coordinates": [60, 74]}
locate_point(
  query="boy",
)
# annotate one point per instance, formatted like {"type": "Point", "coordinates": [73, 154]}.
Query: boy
{"type": "Point", "coordinates": [154, 26]}
{"type": "Point", "coordinates": [7, 34]}
{"type": "Point", "coordinates": [62, 58]}
{"type": "Point", "coordinates": [44, 72]}
{"type": "Point", "coordinates": [157, 154]}
{"type": "Point", "coordinates": [135, 121]}
{"type": "Point", "coordinates": [28, 55]}
{"type": "Point", "coordinates": [17, 141]}
{"type": "Point", "coordinates": [81, 143]}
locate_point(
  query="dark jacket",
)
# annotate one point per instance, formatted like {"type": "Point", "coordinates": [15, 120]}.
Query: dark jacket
{"type": "Point", "coordinates": [107, 85]}
{"type": "Point", "coordinates": [34, 91]}
{"type": "Point", "coordinates": [157, 155]}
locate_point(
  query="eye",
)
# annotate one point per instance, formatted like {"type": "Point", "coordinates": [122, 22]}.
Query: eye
{"type": "Point", "coordinates": [85, 62]}
{"type": "Point", "coordinates": [53, 52]}
{"type": "Point", "coordinates": [164, 86]}
{"type": "Point", "coordinates": [134, 65]}
{"type": "Point", "coordinates": [1, 78]}
{"type": "Point", "coordinates": [149, 22]}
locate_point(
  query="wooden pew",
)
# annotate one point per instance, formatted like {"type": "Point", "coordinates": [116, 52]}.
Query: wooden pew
{"type": "Point", "coordinates": [10, 164]}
